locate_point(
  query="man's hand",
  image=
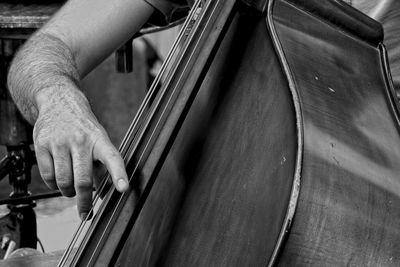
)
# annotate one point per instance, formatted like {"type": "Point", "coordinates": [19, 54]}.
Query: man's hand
{"type": "Point", "coordinates": [44, 83]}
{"type": "Point", "coordinates": [68, 139]}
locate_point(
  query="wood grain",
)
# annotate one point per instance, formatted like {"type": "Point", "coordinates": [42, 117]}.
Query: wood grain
{"type": "Point", "coordinates": [348, 212]}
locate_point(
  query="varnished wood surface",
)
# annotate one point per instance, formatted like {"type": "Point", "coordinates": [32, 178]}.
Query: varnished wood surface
{"type": "Point", "coordinates": [348, 212]}
{"type": "Point", "coordinates": [350, 189]}
{"type": "Point", "coordinates": [221, 197]}
{"type": "Point", "coordinates": [235, 156]}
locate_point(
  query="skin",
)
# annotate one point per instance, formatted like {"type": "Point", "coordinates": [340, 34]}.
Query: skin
{"type": "Point", "coordinates": [44, 82]}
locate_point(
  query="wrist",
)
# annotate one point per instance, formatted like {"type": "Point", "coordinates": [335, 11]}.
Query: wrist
{"type": "Point", "coordinates": [59, 95]}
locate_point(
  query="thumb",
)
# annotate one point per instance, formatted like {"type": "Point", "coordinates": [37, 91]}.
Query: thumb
{"type": "Point", "coordinates": [105, 152]}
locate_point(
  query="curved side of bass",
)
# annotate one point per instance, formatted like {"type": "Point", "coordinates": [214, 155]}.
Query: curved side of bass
{"type": "Point", "coordinates": [216, 160]}
{"type": "Point", "coordinates": [212, 172]}
{"type": "Point", "coordinates": [234, 159]}
{"type": "Point", "coordinates": [347, 212]}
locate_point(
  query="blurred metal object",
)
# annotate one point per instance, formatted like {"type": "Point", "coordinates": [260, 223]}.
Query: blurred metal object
{"type": "Point", "coordinates": [10, 249]}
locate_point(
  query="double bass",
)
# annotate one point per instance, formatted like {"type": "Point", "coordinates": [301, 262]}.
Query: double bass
{"type": "Point", "coordinates": [272, 140]}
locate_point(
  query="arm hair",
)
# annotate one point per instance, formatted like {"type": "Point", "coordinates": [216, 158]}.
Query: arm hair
{"type": "Point", "coordinates": [74, 41]}
{"type": "Point", "coordinates": [44, 61]}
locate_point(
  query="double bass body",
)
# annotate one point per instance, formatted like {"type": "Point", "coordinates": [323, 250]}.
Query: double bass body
{"type": "Point", "coordinates": [288, 154]}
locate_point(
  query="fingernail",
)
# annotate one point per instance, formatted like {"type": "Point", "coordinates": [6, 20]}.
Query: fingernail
{"type": "Point", "coordinates": [122, 184]}
{"type": "Point", "coordinates": [83, 216]}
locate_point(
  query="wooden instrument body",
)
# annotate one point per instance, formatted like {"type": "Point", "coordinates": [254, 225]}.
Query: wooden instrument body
{"type": "Point", "coordinates": [291, 110]}
{"type": "Point", "coordinates": [349, 206]}
{"type": "Point", "coordinates": [236, 150]}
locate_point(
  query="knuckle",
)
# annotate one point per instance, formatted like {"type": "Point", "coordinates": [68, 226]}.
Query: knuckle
{"type": "Point", "coordinates": [113, 153]}
{"type": "Point", "coordinates": [79, 138]}
{"type": "Point", "coordinates": [84, 207]}
{"type": "Point", "coordinates": [81, 158]}
{"type": "Point", "coordinates": [100, 136]}
{"type": "Point", "coordinates": [57, 141]}
{"type": "Point", "coordinates": [47, 176]}
{"type": "Point", "coordinates": [59, 144]}
{"type": "Point", "coordinates": [84, 184]}
{"type": "Point", "coordinates": [40, 142]}
{"type": "Point", "coordinates": [81, 166]}
{"type": "Point", "coordinates": [64, 183]}
{"type": "Point", "coordinates": [62, 166]}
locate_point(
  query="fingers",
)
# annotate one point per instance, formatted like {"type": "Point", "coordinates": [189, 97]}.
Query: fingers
{"type": "Point", "coordinates": [68, 139]}
{"type": "Point", "coordinates": [105, 152]}
{"type": "Point", "coordinates": [63, 170]}
{"type": "Point", "coordinates": [66, 159]}
{"type": "Point", "coordinates": [82, 169]}
{"type": "Point", "coordinates": [55, 167]}
{"type": "Point", "coordinates": [46, 167]}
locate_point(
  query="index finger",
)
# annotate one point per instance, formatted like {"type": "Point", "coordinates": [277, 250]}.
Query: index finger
{"type": "Point", "coordinates": [105, 152]}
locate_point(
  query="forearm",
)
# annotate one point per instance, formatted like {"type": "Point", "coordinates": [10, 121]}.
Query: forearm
{"type": "Point", "coordinates": [61, 52]}
{"type": "Point", "coordinates": [43, 62]}
{"type": "Point", "coordinates": [44, 82]}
